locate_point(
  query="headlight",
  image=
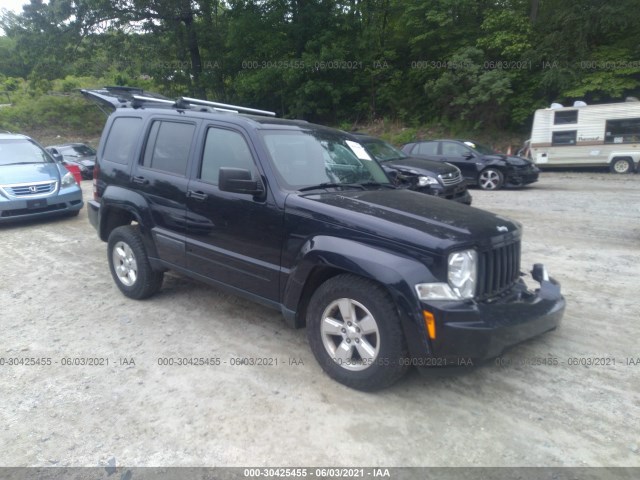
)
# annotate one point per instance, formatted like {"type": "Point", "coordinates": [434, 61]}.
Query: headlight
{"type": "Point", "coordinates": [68, 180]}
{"type": "Point", "coordinates": [463, 273]}
{"type": "Point", "coordinates": [423, 181]}
{"type": "Point", "coordinates": [461, 276]}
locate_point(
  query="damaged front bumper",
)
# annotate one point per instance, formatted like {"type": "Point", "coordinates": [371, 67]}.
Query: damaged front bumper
{"type": "Point", "coordinates": [469, 332]}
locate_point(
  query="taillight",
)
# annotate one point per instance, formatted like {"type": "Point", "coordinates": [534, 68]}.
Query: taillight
{"type": "Point", "coordinates": [96, 172]}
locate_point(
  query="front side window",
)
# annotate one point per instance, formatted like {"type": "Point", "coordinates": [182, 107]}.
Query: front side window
{"type": "Point", "coordinates": [306, 158]}
{"type": "Point", "coordinates": [454, 149]}
{"type": "Point", "coordinates": [564, 138]}
{"type": "Point", "coordinates": [622, 131]}
{"type": "Point", "coordinates": [122, 139]}
{"type": "Point", "coordinates": [168, 146]}
{"type": "Point", "coordinates": [224, 148]}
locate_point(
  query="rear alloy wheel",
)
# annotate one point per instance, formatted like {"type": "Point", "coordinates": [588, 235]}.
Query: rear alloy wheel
{"type": "Point", "coordinates": [129, 264]}
{"type": "Point", "coordinates": [355, 333]}
{"type": "Point", "coordinates": [621, 165]}
{"type": "Point", "coordinates": [490, 179]}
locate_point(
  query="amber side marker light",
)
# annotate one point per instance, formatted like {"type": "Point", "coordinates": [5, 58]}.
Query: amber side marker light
{"type": "Point", "coordinates": [430, 322]}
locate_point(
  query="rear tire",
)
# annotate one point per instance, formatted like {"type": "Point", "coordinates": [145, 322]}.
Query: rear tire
{"type": "Point", "coordinates": [129, 264]}
{"type": "Point", "coordinates": [355, 334]}
{"type": "Point", "coordinates": [621, 165]}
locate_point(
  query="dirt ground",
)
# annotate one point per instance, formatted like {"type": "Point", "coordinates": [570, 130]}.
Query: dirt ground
{"type": "Point", "coordinates": [58, 302]}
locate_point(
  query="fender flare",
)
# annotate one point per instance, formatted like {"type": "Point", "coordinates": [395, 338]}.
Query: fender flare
{"type": "Point", "coordinates": [118, 198]}
{"type": "Point", "coordinates": [396, 272]}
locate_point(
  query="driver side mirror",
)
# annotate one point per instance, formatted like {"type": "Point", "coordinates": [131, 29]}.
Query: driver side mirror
{"type": "Point", "coordinates": [469, 155]}
{"type": "Point", "coordinates": [238, 180]}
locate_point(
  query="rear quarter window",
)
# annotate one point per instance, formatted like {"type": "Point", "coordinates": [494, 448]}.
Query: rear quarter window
{"type": "Point", "coordinates": [122, 139]}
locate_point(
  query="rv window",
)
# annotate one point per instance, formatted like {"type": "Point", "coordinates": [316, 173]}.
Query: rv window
{"type": "Point", "coordinates": [564, 138]}
{"type": "Point", "coordinates": [565, 117]}
{"type": "Point", "coordinates": [622, 131]}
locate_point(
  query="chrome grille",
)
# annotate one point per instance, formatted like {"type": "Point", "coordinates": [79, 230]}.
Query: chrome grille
{"type": "Point", "coordinates": [39, 189]}
{"type": "Point", "coordinates": [452, 178]}
{"type": "Point", "coordinates": [498, 270]}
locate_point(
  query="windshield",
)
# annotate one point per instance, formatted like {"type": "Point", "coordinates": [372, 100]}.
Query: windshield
{"type": "Point", "coordinates": [481, 149]}
{"type": "Point", "coordinates": [13, 152]}
{"type": "Point", "coordinates": [80, 150]}
{"type": "Point", "coordinates": [306, 158]}
{"type": "Point", "coordinates": [383, 151]}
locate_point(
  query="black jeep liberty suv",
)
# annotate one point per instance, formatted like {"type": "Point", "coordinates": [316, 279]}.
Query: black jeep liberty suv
{"type": "Point", "coordinates": [300, 218]}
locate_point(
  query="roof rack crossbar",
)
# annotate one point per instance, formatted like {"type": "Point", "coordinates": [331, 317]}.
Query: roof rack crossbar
{"type": "Point", "coordinates": [221, 107]}
{"type": "Point", "coordinates": [142, 98]}
{"type": "Point", "coordinates": [225, 106]}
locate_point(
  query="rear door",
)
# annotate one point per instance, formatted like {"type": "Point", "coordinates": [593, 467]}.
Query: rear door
{"type": "Point", "coordinates": [161, 177]}
{"type": "Point", "coordinates": [232, 238]}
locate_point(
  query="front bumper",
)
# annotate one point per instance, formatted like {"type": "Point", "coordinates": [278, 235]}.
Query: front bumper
{"type": "Point", "coordinates": [477, 331]}
{"type": "Point", "coordinates": [22, 209]}
{"type": "Point", "coordinates": [518, 178]}
{"type": "Point", "coordinates": [457, 193]}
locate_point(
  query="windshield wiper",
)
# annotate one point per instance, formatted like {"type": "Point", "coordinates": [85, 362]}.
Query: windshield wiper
{"type": "Point", "coordinates": [331, 185]}
{"type": "Point", "coordinates": [362, 186]}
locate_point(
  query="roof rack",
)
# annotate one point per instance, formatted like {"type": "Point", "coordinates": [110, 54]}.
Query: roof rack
{"type": "Point", "coordinates": [186, 102]}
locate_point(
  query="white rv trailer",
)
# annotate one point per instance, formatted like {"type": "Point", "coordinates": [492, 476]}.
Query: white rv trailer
{"type": "Point", "coordinates": [587, 136]}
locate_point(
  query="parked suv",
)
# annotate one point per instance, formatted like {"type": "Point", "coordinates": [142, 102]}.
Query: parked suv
{"type": "Point", "coordinates": [32, 184]}
{"type": "Point", "coordinates": [440, 179]}
{"type": "Point", "coordinates": [383, 278]}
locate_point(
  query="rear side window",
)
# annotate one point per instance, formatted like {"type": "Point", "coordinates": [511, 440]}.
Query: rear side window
{"type": "Point", "coordinates": [427, 148]}
{"type": "Point", "coordinates": [168, 146]}
{"type": "Point", "coordinates": [122, 138]}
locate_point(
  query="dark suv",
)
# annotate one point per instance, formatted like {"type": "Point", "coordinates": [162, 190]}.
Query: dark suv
{"type": "Point", "coordinates": [300, 218]}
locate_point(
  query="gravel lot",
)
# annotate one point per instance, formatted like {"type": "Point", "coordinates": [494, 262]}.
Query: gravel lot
{"type": "Point", "coordinates": [58, 301]}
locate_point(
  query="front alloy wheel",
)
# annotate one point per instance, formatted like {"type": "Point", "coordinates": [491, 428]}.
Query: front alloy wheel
{"type": "Point", "coordinates": [350, 334]}
{"type": "Point", "coordinates": [490, 179]}
{"type": "Point", "coordinates": [355, 334]}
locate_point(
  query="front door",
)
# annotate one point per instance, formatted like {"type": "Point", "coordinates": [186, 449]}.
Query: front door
{"type": "Point", "coordinates": [462, 157]}
{"type": "Point", "coordinates": [232, 238]}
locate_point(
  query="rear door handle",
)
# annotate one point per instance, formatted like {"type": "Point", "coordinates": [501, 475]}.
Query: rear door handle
{"type": "Point", "coordinates": [140, 180]}
{"type": "Point", "coordinates": [197, 195]}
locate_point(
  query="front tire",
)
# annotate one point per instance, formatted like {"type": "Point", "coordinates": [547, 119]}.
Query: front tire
{"type": "Point", "coordinates": [129, 264]}
{"type": "Point", "coordinates": [621, 166]}
{"type": "Point", "coordinates": [490, 179]}
{"type": "Point", "coordinates": [355, 334]}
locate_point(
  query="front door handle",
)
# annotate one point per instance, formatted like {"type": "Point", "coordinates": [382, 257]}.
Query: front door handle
{"type": "Point", "coordinates": [197, 195]}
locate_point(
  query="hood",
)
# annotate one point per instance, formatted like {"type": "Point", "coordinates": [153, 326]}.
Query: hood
{"type": "Point", "coordinates": [407, 217]}
{"type": "Point", "coordinates": [511, 160]}
{"type": "Point", "coordinates": [32, 172]}
{"type": "Point", "coordinates": [420, 166]}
